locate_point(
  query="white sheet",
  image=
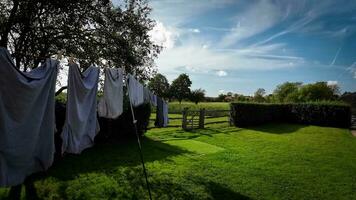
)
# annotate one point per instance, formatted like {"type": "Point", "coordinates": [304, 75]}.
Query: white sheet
{"type": "Point", "coordinates": [111, 104]}
{"type": "Point", "coordinates": [135, 91]}
{"type": "Point", "coordinates": [81, 125]}
{"type": "Point", "coordinates": [27, 119]}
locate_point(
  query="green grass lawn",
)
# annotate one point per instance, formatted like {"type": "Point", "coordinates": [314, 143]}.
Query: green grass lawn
{"type": "Point", "coordinates": [274, 161]}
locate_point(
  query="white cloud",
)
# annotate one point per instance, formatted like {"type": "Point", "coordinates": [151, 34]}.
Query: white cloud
{"type": "Point", "coordinates": [161, 35]}
{"type": "Point", "coordinates": [205, 46]}
{"type": "Point", "coordinates": [194, 30]}
{"type": "Point", "coordinates": [221, 91]}
{"type": "Point", "coordinates": [331, 83]}
{"type": "Point", "coordinates": [221, 73]}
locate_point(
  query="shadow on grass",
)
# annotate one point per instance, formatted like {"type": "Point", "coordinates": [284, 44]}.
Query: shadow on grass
{"type": "Point", "coordinates": [179, 134]}
{"type": "Point", "coordinates": [113, 171]}
{"type": "Point", "coordinates": [218, 191]}
{"type": "Point", "coordinates": [102, 158]}
{"type": "Point", "coordinates": [277, 128]}
{"type": "Point", "coordinates": [108, 157]}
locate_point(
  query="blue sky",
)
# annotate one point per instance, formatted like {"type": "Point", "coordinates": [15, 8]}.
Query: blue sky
{"type": "Point", "coordinates": [239, 46]}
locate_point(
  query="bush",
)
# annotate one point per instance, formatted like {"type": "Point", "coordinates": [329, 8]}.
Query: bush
{"type": "Point", "coordinates": [322, 114]}
{"type": "Point", "coordinates": [122, 127]}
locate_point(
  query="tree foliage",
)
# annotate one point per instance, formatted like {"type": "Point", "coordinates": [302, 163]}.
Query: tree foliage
{"type": "Point", "coordinates": [197, 95]}
{"type": "Point", "coordinates": [180, 87]}
{"type": "Point", "coordinates": [297, 92]}
{"type": "Point", "coordinates": [259, 95]}
{"type": "Point", "coordinates": [89, 30]}
{"type": "Point", "coordinates": [287, 91]}
{"type": "Point", "coordinates": [159, 85]}
{"type": "Point", "coordinates": [318, 91]}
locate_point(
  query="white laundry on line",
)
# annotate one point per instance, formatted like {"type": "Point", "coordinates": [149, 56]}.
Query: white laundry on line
{"type": "Point", "coordinates": [27, 119]}
{"type": "Point", "coordinates": [81, 125]}
{"type": "Point", "coordinates": [135, 91]}
{"type": "Point", "coordinates": [111, 104]}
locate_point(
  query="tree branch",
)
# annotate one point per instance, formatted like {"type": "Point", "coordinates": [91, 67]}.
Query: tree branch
{"type": "Point", "coordinates": [4, 35]}
{"type": "Point", "coordinates": [61, 90]}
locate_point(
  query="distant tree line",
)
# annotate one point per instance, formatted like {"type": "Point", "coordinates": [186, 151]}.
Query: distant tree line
{"type": "Point", "coordinates": [288, 92]}
{"type": "Point", "coordinates": [294, 92]}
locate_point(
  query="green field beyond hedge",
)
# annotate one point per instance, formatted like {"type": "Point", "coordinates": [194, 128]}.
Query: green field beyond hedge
{"type": "Point", "coordinates": [176, 107]}
{"type": "Point", "coordinates": [273, 161]}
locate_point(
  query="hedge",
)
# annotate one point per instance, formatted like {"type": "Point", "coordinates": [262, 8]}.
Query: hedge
{"type": "Point", "coordinates": [321, 114]}
{"type": "Point", "coordinates": [120, 128]}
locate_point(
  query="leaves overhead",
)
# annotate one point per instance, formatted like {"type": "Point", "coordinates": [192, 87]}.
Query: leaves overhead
{"type": "Point", "coordinates": [90, 30]}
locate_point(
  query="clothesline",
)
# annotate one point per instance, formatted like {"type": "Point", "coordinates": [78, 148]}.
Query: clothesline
{"type": "Point", "coordinates": [27, 116]}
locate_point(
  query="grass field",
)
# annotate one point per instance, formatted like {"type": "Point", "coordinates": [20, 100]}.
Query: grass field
{"type": "Point", "coordinates": [275, 161]}
{"type": "Point", "coordinates": [176, 107]}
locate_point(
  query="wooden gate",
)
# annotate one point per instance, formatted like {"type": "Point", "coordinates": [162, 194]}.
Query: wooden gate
{"type": "Point", "coordinates": [193, 119]}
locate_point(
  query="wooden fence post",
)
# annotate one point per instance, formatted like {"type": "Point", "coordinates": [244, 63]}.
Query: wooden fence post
{"type": "Point", "coordinates": [201, 118]}
{"type": "Point", "coordinates": [230, 115]}
{"type": "Point", "coordinates": [184, 119]}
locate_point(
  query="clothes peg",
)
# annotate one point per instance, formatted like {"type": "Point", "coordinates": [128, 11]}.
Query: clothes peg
{"type": "Point", "coordinates": [71, 60]}
{"type": "Point", "coordinates": [60, 55]}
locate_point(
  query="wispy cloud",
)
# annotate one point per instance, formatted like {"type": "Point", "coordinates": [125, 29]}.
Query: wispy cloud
{"type": "Point", "coordinates": [177, 12]}
{"type": "Point", "coordinates": [352, 70]}
{"type": "Point", "coordinates": [335, 57]}
{"type": "Point", "coordinates": [256, 19]}
{"type": "Point", "coordinates": [295, 26]}
{"type": "Point", "coordinates": [194, 56]}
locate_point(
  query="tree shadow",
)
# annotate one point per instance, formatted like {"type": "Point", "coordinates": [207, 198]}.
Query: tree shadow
{"type": "Point", "coordinates": [277, 128]}
{"type": "Point", "coordinates": [110, 156]}
{"type": "Point", "coordinates": [181, 134]}
{"type": "Point", "coordinates": [218, 191]}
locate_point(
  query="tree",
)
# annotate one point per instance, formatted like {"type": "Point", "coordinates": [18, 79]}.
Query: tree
{"type": "Point", "coordinates": [88, 30]}
{"type": "Point", "coordinates": [258, 97]}
{"type": "Point", "coordinates": [221, 97]}
{"type": "Point", "coordinates": [318, 91]}
{"type": "Point", "coordinates": [241, 98]}
{"type": "Point", "coordinates": [159, 85]}
{"type": "Point", "coordinates": [197, 95]}
{"type": "Point", "coordinates": [287, 92]}
{"type": "Point", "coordinates": [180, 87]}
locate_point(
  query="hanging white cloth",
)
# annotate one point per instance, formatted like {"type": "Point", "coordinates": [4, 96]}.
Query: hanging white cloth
{"type": "Point", "coordinates": [81, 123]}
{"type": "Point", "coordinates": [146, 95]}
{"type": "Point", "coordinates": [153, 99]}
{"type": "Point", "coordinates": [27, 119]}
{"type": "Point", "coordinates": [135, 91]}
{"type": "Point", "coordinates": [111, 104]}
